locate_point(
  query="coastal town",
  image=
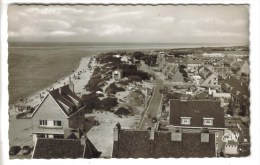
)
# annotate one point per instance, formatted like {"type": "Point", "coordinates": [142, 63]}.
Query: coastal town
{"type": "Point", "coordinates": [150, 103]}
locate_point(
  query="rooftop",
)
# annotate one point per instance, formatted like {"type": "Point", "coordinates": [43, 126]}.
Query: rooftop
{"type": "Point", "coordinates": [68, 101]}
{"type": "Point", "coordinates": [236, 87]}
{"type": "Point", "coordinates": [138, 144]}
{"type": "Point", "coordinates": [46, 148]}
{"type": "Point", "coordinates": [197, 110]}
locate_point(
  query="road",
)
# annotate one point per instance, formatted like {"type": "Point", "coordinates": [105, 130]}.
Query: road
{"type": "Point", "coordinates": [154, 104]}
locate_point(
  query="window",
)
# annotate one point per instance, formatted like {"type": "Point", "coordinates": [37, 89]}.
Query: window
{"type": "Point", "coordinates": [208, 121]}
{"type": "Point", "coordinates": [43, 122]}
{"type": "Point", "coordinates": [185, 120]}
{"type": "Point", "coordinates": [57, 123]}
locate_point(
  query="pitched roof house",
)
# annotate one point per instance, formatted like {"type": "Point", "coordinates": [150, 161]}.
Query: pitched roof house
{"type": "Point", "coordinates": [162, 144]}
{"type": "Point", "coordinates": [186, 113]}
{"type": "Point", "coordinates": [210, 79]}
{"type": "Point", "coordinates": [61, 109]}
{"type": "Point", "coordinates": [238, 89]}
{"type": "Point", "coordinates": [241, 66]}
{"type": "Point", "coordinates": [64, 148]}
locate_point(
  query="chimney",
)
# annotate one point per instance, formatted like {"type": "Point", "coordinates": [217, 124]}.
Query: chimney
{"type": "Point", "coordinates": [184, 99]}
{"type": "Point", "coordinates": [152, 134]}
{"type": "Point", "coordinates": [71, 86]}
{"type": "Point", "coordinates": [116, 131]}
{"type": "Point", "coordinates": [83, 140]}
{"type": "Point", "coordinates": [60, 90]}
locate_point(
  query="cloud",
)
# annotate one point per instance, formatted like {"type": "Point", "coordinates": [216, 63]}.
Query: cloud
{"type": "Point", "coordinates": [61, 33]}
{"type": "Point", "coordinates": [112, 29]}
{"type": "Point", "coordinates": [217, 34]}
{"type": "Point", "coordinates": [51, 24]}
{"type": "Point", "coordinates": [82, 30]}
{"type": "Point", "coordinates": [114, 23]}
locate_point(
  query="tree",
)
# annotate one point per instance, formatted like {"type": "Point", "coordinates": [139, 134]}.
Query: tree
{"type": "Point", "coordinates": [242, 110]}
{"type": "Point", "coordinates": [138, 55]}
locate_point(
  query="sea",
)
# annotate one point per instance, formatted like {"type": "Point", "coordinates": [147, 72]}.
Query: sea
{"type": "Point", "coordinates": [34, 66]}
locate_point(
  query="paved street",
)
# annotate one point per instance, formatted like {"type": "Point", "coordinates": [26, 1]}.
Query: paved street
{"type": "Point", "coordinates": [154, 105]}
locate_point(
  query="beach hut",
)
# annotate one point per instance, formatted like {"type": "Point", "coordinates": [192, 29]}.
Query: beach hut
{"type": "Point", "coordinates": [117, 74]}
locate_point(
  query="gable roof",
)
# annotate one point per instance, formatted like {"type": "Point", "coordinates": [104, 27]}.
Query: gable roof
{"type": "Point", "coordinates": [67, 100]}
{"type": "Point", "coordinates": [46, 148]}
{"type": "Point", "coordinates": [137, 144]}
{"type": "Point", "coordinates": [237, 88]}
{"type": "Point", "coordinates": [177, 77]}
{"type": "Point", "coordinates": [197, 110]}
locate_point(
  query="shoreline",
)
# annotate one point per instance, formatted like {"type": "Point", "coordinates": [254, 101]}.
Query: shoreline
{"type": "Point", "coordinates": [34, 99]}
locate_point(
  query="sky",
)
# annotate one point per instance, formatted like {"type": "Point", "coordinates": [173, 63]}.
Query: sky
{"type": "Point", "coordinates": [152, 24]}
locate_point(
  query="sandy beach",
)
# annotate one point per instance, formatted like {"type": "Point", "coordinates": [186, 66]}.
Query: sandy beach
{"type": "Point", "coordinates": [20, 129]}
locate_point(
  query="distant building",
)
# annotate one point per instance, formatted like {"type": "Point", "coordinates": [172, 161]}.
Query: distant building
{"type": "Point", "coordinates": [220, 70]}
{"type": "Point", "coordinates": [213, 55]}
{"type": "Point", "coordinates": [117, 74]}
{"type": "Point", "coordinates": [193, 65]}
{"type": "Point", "coordinates": [125, 59]}
{"type": "Point", "coordinates": [242, 67]}
{"type": "Point", "coordinates": [209, 78]}
{"type": "Point", "coordinates": [61, 109]}
{"type": "Point", "coordinates": [64, 149]}
{"type": "Point", "coordinates": [162, 144]}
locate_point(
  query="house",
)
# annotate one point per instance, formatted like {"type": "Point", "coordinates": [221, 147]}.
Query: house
{"type": "Point", "coordinates": [209, 78]}
{"type": "Point", "coordinates": [221, 70]}
{"type": "Point", "coordinates": [117, 74]}
{"type": "Point", "coordinates": [61, 109]}
{"type": "Point", "coordinates": [125, 59]}
{"type": "Point", "coordinates": [162, 144]}
{"type": "Point", "coordinates": [213, 54]}
{"type": "Point", "coordinates": [239, 90]}
{"type": "Point", "coordinates": [197, 114]}
{"type": "Point", "coordinates": [193, 65]}
{"type": "Point", "coordinates": [242, 67]}
{"type": "Point", "coordinates": [186, 113]}
{"type": "Point", "coordinates": [64, 148]}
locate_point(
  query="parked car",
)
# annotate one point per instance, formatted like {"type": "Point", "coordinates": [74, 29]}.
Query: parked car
{"type": "Point", "coordinates": [26, 150]}
{"type": "Point", "coordinates": [14, 150]}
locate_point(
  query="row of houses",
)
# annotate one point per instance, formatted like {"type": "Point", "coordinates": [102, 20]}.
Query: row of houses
{"type": "Point", "coordinates": [196, 129]}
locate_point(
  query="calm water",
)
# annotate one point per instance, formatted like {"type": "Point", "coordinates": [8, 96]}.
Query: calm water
{"type": "Point", "coordinates": [34, 66]}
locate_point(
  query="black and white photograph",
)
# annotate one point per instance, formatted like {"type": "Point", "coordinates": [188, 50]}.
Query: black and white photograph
{"type": "Point", "coordinates": [93, 81]}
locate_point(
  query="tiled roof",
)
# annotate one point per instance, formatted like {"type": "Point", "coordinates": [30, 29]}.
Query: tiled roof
{"type": "Point", "coordinates": [137, 144]}
{"type": "Point", "coordinates": [67, 100]}
{"type": "Point", "coordinates": [235, 87]}
{"type": "Point", "coordinates": [197, 110]}
{"type": "Point", "coordinates": [64, 148]}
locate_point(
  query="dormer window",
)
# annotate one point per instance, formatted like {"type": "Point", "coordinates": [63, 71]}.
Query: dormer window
{"type": "Point", "coordinates": [208, 121]}
{"type": "Point", "coordinates": [185, 120]}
